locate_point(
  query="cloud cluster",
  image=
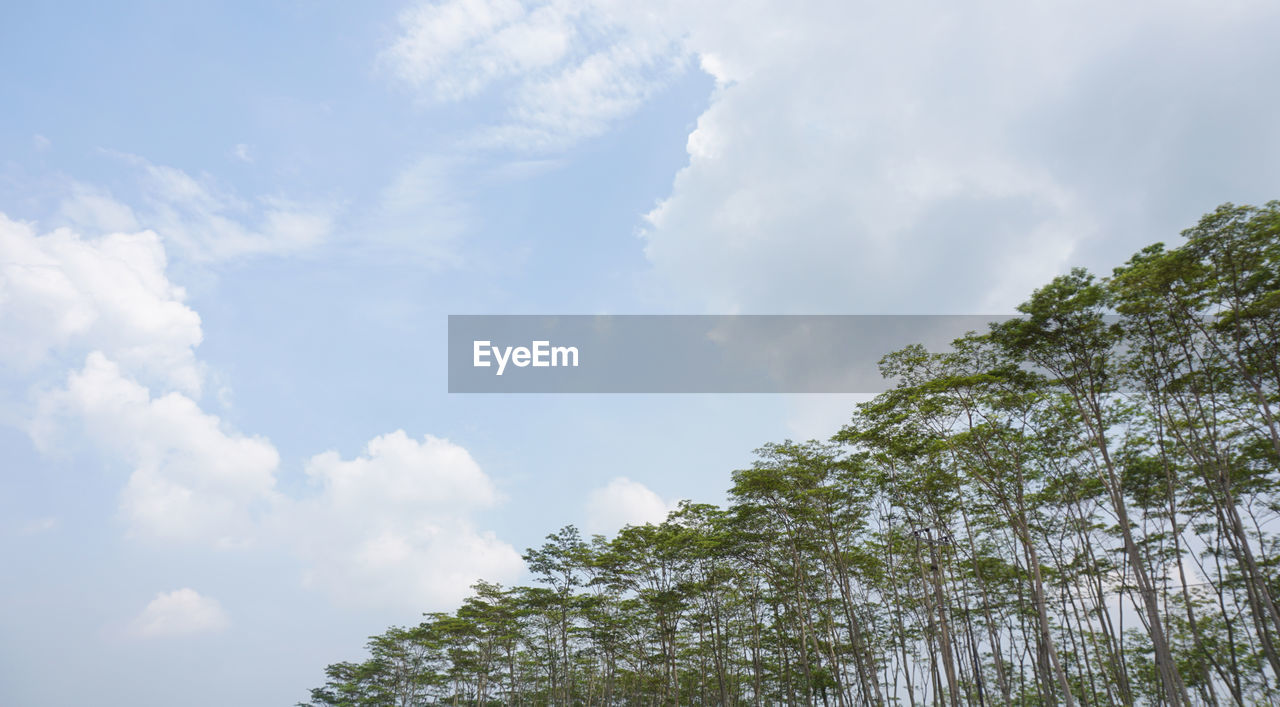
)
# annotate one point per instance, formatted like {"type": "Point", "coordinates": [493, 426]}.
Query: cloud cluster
{"type": "Point", "coordinates": [394, 526]}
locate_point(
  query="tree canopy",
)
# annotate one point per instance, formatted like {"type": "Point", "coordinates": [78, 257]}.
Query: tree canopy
{"type": "Point", "coordinates": [1075, 506]}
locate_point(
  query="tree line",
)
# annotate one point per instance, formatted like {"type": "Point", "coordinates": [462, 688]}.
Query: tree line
{"type": "Point", "coordinates": [1075, 506]}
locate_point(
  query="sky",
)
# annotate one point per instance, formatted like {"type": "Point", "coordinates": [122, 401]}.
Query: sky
{"type": "Point", "coordinates": [230, 237]}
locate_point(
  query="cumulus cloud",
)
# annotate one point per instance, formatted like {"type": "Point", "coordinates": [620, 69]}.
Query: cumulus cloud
{"type": "Point", "coordinates": [564, 69]}
{"type": "Point", "coordinates": [106, 306]}
{"type": "Point", "coordinates": [192, 478]}
{"type": "Point", "coordinates": [182, 612]}
{"type": "Point", "coordinates": [624, 502]}
{"type": "Point", "coordinates": [63, 294]}
{"type": "Point", "coordinates": [931, 158]}
{"type": "Point", "coordinates": [395, 526]}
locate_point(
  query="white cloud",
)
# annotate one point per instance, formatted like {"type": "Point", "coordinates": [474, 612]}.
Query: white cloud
{"type": "Point", "coordinates": [929, 158]}
{"type": "Point", "coordinates": [61, 294]}
{"type": "Point", "coordinates": [585, 99]}
{"type": "Point", "coordinates": [398, 473]}
{"type": "Point", "coordinates": [192, 479]}
{"type": "Point", "coordinates": [885, 158]}
{"type": "Point", "coordinates": [199, 220]}
{"type": "Point", "coordinates": [456, 48]}
{"type": "Point", "coordinates": [182, 612]}
{"type": "Point", "coordinates": [394, 526]}
{"type": "Point", "coordinates": [565, 69]}
{"type": "Point", "coordinates": [624, 502]}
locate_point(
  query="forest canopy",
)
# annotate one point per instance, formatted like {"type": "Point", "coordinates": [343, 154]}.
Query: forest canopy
{"type": "Point", "coordinates": [1075, 506]}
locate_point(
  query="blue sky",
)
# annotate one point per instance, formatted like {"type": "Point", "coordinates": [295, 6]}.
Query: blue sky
{"type": "Point", "coordinates": [231, 237]}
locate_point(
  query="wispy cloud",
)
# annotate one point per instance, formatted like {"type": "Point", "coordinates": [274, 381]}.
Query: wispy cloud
{"type": "Point", "coordinates": [563, 70]}
{"type": "Point", "coordinates": [200, 221]}
{"type": "Point", "coordinates": [208, 223]}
